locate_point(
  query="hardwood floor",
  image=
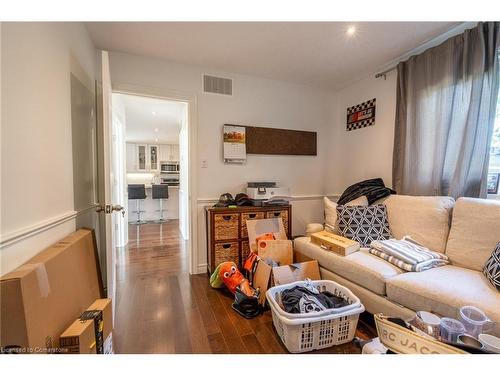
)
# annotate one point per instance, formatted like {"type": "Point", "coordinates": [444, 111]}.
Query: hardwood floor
{"type": "Point", "coordinates": [162, 309]}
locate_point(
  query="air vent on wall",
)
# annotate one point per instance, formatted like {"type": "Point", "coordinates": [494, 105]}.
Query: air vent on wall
{"type": "Point", "coordinates": [217, 85]}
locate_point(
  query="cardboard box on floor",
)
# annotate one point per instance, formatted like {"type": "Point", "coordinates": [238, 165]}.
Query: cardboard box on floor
{"type": "Point", "coordinates": [259, 227]}
{"type": "Point", "coordinates": [280, 251]}
{"type": "Point", "coordinates": [41, 298]}
{"type": "Point", "coordinates": [79, 338]}
{"type": "Point", "coordinates": [104, 305]}
{"type": "Point", "coordinates": [266, 276]}
{"type": "Point", "coordinates": [296, 272]}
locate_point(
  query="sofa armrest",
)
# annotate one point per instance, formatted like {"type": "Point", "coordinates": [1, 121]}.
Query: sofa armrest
{"type": "Point", "coordinates": [313, 228]}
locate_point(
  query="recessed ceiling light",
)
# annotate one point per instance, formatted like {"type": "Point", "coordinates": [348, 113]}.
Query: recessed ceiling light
{"type": "Point", "coordinates": [154, 113]}
{"type": "Point", "coordinates": [156, 130]}
{"type": "Point", "coordinates": [351, 30]}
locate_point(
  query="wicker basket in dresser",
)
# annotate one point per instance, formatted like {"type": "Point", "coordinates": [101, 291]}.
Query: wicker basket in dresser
{"type": "Point", "coordinates": [227, 236]}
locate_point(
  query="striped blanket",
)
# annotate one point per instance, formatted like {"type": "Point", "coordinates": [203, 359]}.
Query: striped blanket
{"type": "Point", "coordinates": [407, 255]}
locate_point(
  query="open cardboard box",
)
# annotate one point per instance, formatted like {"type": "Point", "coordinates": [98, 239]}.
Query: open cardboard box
{"type": "Point", "coordinates": [267, 276]}
{"type": "Point", "coordinates": [259, 227]}
{"type": "Point", "coordinates": [280, 251]}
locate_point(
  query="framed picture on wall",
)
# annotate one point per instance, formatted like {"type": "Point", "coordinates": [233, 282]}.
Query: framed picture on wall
{"type": "Point", "coordinates": [493, 179]}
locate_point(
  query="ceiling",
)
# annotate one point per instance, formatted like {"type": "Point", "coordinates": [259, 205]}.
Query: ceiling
{"type": "Point", "coordinates": [150, 120]}
{"type": "Point", "coordinates": [319, 54]}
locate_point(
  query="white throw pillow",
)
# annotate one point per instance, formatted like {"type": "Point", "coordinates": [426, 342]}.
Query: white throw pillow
{"type": "Point", "coordinates": [331, 211]}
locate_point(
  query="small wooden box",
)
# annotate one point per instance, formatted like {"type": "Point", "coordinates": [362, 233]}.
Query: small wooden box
{"type": "Point", "coordinates": [332, 242]}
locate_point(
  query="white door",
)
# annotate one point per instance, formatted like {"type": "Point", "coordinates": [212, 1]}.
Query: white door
{"type": "Point", "coordinates": [183, 157]}
{"type": "Point", "coordinates": [107, 198]}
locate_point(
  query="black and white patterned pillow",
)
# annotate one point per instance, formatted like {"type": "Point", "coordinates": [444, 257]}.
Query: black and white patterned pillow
{"type": "Point", "coordinates": [491, 268]}
{"type": "Point", "coordinates": [364, 223]}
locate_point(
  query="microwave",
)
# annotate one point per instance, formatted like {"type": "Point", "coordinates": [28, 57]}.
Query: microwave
{"type": "Point", "coordinates": [169, 167]}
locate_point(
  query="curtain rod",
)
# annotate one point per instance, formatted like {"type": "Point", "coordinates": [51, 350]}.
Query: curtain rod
{"type": "Point", "coordinates": [460, 28]}
{"type": "Point", "coordinates": [382, 74]}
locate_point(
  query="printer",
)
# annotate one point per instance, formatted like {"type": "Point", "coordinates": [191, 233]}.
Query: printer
{"type": "Point", "coordinates": [267, 191]}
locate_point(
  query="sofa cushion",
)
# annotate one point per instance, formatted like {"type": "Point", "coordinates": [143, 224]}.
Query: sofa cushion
{"type": "Point", "coordinates": [363, 223]}
{"type": "Point", "coordinates": [444, 290]}
{"type": "Point", "coordinates": [491, 268]}
{"type": "Point", "coordinates": [331, 211]}
{"type": "Point", "coordinates": [474, 232]}
{"type": "Point", "coordinates": [360, 267]}
{"type": "Point", "coordinates": [425, 219]}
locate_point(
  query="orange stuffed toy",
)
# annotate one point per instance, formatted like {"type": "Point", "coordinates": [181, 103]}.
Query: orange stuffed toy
{"type": "Point", "coordinates": [232, 278]}
{"type": "Point", "coordinates": [246, 298]}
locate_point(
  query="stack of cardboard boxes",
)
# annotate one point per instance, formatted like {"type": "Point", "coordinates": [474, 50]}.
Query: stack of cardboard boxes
{"type": "Point", "coordinates": [44, 296]}
{"type": "Point", "coordinates": [275, 257]}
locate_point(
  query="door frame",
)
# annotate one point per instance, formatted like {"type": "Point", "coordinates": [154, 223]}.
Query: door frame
{"type": "Point", "coordinates": [191, 100]}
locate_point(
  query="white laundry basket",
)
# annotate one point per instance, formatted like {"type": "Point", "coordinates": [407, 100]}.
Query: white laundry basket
{"type": "Point", "coordinates": [318, 330]}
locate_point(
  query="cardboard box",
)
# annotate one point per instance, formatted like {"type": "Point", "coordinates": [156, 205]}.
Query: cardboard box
{"type": "Point", "coordinates": [40, 299]}
{"type": "Point", "coordinates": [96, 316]}
{"type": "Point", "coordinates": [267, 276]}
{"type": "Point", "coordinates": [79, 338]}
{"type": "Point", "coordinates": [296, 272]}
{"type": "Point", "coordinates": [259, 227]}
{"type": "Point", "coordinates": [280, 251]}
{"type": "Point", "coordinates": [104, 305]}
{"type": "Point", "coordinates": [262, 279]}
{"type": "Point", "coordinates": [332, 242]}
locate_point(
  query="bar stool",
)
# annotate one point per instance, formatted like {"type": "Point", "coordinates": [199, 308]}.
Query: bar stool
{"type": "Point", "coordinates": [160, 192]}
{"type": "Point", "coordinates": [137, 192]}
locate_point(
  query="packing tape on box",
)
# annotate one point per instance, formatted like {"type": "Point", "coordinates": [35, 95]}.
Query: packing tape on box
{"type": "Point", "coordinates": [41, 275]}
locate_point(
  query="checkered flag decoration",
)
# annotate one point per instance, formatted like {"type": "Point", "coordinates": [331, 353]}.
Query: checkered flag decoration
{"type": "Point", "coordinates": [361, 115]}
{"type": "Point", "coordinates": [491, 268]}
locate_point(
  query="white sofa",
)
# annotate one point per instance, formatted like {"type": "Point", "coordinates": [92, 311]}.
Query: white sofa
{"type": "Point", "coordinates": [466, 230]}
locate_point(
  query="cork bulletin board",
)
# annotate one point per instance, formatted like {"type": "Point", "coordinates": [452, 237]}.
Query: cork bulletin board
{"type": "Point", "coordinates": [273, 141]}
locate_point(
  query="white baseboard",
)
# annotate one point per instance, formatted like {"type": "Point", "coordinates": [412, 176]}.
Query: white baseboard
{"type": "Point", "coordinates": [201, 268]}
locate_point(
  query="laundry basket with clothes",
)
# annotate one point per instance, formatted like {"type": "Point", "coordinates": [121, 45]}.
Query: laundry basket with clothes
{"type": "Point", "coordinates": [306, 299]}
{"type": "Point", "coordinates": [309, 315]}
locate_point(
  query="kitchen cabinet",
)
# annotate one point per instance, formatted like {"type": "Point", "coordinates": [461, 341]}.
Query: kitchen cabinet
{"type": "Point", "coordinates": [131, 156]}
{"type": "Point", "coordinates": [143, 157]}
{"type": "Point", "coordinates": [169, 152]}
{"type": "Point", "coordinates": [154, 163]}
{"type": "Point", "coordinates": [164, 153]}
{"type": "Point", "coordinates": [175, 152]}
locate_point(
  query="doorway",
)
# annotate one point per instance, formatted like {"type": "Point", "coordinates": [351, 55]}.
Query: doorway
{"type": "Point", "coordinates": [151, 180]}
{"type": "Point", "coordinates": [151, 160]}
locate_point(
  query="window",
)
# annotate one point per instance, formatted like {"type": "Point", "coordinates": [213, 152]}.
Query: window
{"type": "Point", "coordinates": [494, 167]}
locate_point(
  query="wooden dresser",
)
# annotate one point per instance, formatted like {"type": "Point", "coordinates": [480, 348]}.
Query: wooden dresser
{"type": "Point", "coordinates": [227, 236]}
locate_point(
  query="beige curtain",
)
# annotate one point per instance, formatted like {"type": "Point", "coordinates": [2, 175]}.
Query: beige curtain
{"type": "Point", "coordinates": [446, 101]}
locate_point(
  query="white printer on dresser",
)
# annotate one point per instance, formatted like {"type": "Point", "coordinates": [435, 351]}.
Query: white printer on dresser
{"type": "Point", "coordinates": [266, 191]}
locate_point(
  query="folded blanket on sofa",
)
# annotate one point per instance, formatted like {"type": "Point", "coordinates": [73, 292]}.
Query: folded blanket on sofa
{"type": "Point", "coordinates": [408, 255]}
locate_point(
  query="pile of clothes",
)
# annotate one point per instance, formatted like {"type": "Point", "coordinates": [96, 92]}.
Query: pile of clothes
{"type": "Point", "coordinates": [307, 299]}
{"type": "Point", "coordinates": [408, 254]}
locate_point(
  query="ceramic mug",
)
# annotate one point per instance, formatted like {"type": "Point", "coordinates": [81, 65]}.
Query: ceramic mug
{"type": "Point", "coordinates": [469, 341]}
{"type": "Point", "coordinates": [490, 342]}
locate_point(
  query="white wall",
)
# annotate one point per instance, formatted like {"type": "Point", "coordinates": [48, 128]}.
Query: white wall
{"type": "Point", "coordinates": [363, 153]}
{"type": "Point", "coordinates": [255, 101]}
{"type": "Point", "coordinates": [37, 170]}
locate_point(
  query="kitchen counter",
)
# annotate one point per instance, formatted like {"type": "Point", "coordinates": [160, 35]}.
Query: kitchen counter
{"type": "Point", "coordinates": [151, 206]}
